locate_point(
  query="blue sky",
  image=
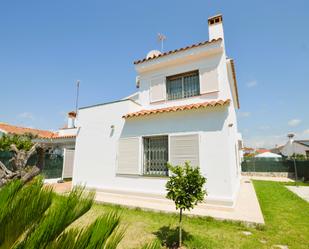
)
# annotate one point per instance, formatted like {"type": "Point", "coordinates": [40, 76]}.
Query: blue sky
{"type": "Point", "coordinates": [46, 46]}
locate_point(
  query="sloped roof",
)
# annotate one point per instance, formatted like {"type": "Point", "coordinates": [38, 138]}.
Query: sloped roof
{"type": "Point", "coordinates": [12, 129]}
{"type": "Point", "coordinates": [177, 50]}
{"type": "Point", "coordinates": [303, 142]}
{"type": "Point", "coordinates": [178, 108]}
{"type": "Point", "coordinates": [268, 155]}
{"type": "Point", "coordinates": [56, 139]}
{"type": "Point", "coordinates": [262, 150]}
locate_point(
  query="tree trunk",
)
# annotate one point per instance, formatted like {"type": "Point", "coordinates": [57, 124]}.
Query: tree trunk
{"type": "Point", "coordinates": [29, 175]}
{"type": "Point", "coordinates": [19, 164]}
{"type": "Point", "coordinates": [180, 227]}
{"type": "Point", "coordinates": [4, 169]}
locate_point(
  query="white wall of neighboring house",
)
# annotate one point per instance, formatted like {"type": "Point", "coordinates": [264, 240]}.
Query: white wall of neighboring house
{"type": "Point", "coordinates": [102, 127]}
{"type": "Point", "coordinates": [68, 131]}
{"type": "Point", "coordinates": [294, 147]}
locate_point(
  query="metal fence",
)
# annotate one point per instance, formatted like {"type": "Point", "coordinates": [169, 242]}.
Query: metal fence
{"type": "Point", "coordinates": [52, 165]}
{"type": "Point", "coordinates": [276, 165]}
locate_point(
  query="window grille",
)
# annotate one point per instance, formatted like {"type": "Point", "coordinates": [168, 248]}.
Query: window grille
{"type": "Point", "coordinates": [183, 86]}
{"type": "Point", "coordinates": [156, 155]}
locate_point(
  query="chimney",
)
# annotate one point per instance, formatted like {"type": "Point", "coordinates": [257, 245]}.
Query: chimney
{"type": "Point", "coordinates": [291, 138]}
{"type": "Point", "coordinates": [71, 119]}
{"type": "Point", "coordinates": [215, 27]}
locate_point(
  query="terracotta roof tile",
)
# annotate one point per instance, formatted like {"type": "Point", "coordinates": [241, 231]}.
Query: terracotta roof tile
{"type": "Point", "coordinates": [12, 129]}
{"type": "Point", "coordinates": [260, 151]}
{"type": "Point", "coordinates": [56, 136]}
{"type": "Point", "coordinates": [177, 50]}
{"type": "Point", "coordinates": [178, 108]}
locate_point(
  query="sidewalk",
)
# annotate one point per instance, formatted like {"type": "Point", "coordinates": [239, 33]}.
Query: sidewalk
{"type": "Point", "coordinates": [301, 191]}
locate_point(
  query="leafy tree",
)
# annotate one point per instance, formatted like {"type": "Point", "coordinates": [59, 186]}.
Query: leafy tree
{"type": "Point", "coordinates": [186, 188]}
{"type": "Point", "coordinates": [22, 142]}
{"type": "Point", "coordinates": [299, 157]}
{"type": "Point", "coordinates": [20, 169]}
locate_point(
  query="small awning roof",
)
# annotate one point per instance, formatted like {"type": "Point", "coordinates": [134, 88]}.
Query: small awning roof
{"type": "Point", "coordinates": [56, 140]}
{"type": "Point", "coordinates": [178, 108]}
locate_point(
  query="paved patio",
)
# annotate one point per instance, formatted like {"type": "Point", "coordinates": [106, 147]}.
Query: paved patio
{"type": "Point", "coordinates": [301, 191]}
{"type": "Point", "coordinates": [270, 178]}
{"type": "Point", "coordinates": [247, 208]}
{"type": "Point", "coordinates": [61, 187]}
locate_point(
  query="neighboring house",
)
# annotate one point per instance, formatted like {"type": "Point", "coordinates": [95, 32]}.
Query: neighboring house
{"type": "Point", "coordinates": [300, 147]}
{"type": "Point", "coordinates": [261, 150]}
{"type": "Point", "coordinates": [13, 129]}
{"type": "Point", "coordinates": [64, 142]}
{"type": "Point", "coordinates": [277, 149]}
{"type": "Point", "coordinates": [248, 151]}
{"type": "Point", "coordinates": [268, 155]}
{"type": "Point", "coordinates": [61, 142]}
{"type": "Point", "coordinates": [184, 110]}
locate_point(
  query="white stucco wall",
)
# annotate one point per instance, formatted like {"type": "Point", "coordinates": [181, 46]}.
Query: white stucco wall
{"type": "Point", "coordinates": [102, 126]}
{"type": "Point", "coordinates": [204, 65]}
{"type": "Point", "coordinates": [96, 148]}
{"type": "Point", "coordinates": [68, 132]}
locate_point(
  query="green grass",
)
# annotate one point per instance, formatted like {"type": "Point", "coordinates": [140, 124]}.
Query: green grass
{"type": "Point", "coordinates": [286, 223]}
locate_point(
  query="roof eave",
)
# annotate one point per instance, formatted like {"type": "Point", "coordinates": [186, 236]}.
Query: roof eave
{"type": "Point", "coordinates": [235, 82]}
{"type": "Point", "coordinates": [168, 53]}
{"type": "Point", "coordinates": [142, 113]}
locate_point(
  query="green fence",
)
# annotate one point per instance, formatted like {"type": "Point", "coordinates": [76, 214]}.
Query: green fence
{"type": "Point", "coordinates": [276, 165]}
{"type": "Point", "coordinates": [52, 164]}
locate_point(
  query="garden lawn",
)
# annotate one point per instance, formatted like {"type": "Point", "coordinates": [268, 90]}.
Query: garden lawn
{"type": "Point", "coordinates": [286, 223]}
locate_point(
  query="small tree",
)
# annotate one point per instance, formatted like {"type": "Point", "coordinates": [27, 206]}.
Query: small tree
{"type": "Point", "coordinates": [186, 188]}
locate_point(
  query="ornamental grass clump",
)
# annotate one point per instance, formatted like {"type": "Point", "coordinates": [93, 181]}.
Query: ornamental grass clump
{"type": "Point", "coordinates": [21, 208]}
{"type": "Point", "coordinates": [32, 218]}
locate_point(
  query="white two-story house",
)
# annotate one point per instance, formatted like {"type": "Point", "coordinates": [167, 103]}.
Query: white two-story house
{"type": "Point", "coordinates": [184, 110]}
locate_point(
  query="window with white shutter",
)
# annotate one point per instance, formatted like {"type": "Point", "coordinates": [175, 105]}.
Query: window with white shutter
{"type": "Point", "coordinates": [155, 155]}
{"type": "Point", "coordinates": [128, 156]}
{"type": "Point", "coordinates": [209, 80]}
{"type": "Point", "coordinates": [157, 89]}
{"type": "Point", "coordinates": [184, 148]}
{"type": "Point", "coordinates": [183, 85]}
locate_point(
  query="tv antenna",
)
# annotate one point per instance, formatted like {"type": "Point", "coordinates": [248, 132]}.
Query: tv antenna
{"type": "Point", "coordinates": [77, 95]}
{"type": "Point", "coordinates": [161, 39]}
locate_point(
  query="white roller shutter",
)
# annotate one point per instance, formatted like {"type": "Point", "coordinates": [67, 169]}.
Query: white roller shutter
{"type": "Point", "coordinates": [209, 80]}
{"type": "Point", "coordinates": [184, 148]}
{"type": "Point", "coordinates": [157, 89]}
{"type": "Point", "coordinates": [128, 156]}
{"type": "Point", "coordinates": [68, 163]}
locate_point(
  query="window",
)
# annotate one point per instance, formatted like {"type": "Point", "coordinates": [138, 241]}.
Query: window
{"type": "Point", "coordinates": [183, 85]}
{"type": "Point", "coordinates": [156, 155]}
